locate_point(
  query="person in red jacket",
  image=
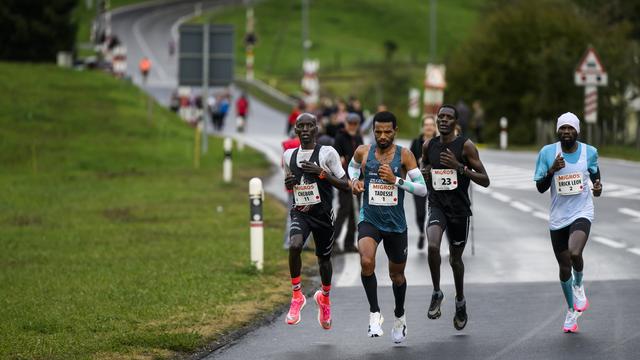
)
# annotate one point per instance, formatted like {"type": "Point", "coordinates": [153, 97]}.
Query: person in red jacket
{"type": "Point", "coordinates": [297, 110]}
{"type": "Point", "coordinates": [242, 111]}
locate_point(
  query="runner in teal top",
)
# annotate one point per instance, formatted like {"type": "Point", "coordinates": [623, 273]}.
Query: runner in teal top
{"type": "Point", "coordinates": [385, 218]}
{"type": "Point", "coordinates": [382, 218]}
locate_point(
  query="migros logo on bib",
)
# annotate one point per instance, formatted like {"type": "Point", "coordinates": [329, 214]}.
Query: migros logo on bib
{"type": "Point", "coordinates": [382, 186]}
{"type": "Point", "coordinates": [571, 176]}
{"type": "Point", "coordinates": [305, 187]}
{"type": "Point", "coordinates": [442, 171]}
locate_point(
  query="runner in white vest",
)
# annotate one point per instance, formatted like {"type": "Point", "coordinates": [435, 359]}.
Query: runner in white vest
{"type": "Point", "coordinates": [566, 167]}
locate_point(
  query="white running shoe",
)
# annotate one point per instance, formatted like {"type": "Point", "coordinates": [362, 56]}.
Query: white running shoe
{"type": "Point", "coordinates": [399, 330]}
{"type": "Point", "coordinates": [580, 302]}
{"type": "Point", "coordinates": [571, 321]}
{"type": "Point", "coordinates": [375, 324]}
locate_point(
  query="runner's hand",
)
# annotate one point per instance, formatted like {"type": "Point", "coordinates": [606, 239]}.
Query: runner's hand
{"type": "Point", "coordinates": [290, 181]}
{"type": "Point", "coordinates": [310, 168]}
{"type": "Point", "coordinates": [597, 188]}
{"type": "Point", "coordinates": [386, 174]}
{"type": "Point", "coordinates": [448, 159]}
{"type": "Point", "coordinates": [558, 164]}
{"type": "Point", "coordinates": [357, 187]}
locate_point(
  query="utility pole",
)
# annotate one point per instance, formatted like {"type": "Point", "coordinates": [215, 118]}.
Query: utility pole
{"type": "Point", "coordinates": [306, 43]}
{"type": "Point", "coordinates": [205, 87]}
{"type": "Point", "coordinates": [432, 31]}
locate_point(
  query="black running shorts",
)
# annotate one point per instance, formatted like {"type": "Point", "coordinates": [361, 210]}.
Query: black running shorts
{"type": "Point", "coordinates": [321, 226]}
{"type": "Point", "coordinates": [560, 237]}
{"type": "Point", "coordinates": [457, 228]}
{"type": "Point", "coordinates": [395, 244]}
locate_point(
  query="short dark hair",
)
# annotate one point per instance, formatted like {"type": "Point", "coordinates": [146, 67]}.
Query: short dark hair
{"type": "Point", "coordinates": [385, 117]}
{"type": "Point", "coordinates": [455, 111]}
{"type": "Point", "coordinates": [307, 115]}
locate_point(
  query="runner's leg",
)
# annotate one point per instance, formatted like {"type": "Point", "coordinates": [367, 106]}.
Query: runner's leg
{"type": "Point", "coordinates": [367, 247]}
{"type": "Point", "coordinates": [434, 235]}
{"type": "Point", "coordinates": [560, 243]}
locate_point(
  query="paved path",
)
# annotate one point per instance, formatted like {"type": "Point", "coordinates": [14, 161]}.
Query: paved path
{"type": "Point", "coordinates": [514, 299]}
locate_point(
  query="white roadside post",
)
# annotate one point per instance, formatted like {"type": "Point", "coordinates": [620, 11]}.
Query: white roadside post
{"type": "Point", "coordinates": [256, 197]}
{"type": "Point", "coordinates": [504, 137]}
{"type": "Point", "coordinates": [414, 104]}
{"type": "Point", "coordinates": [227, 164]}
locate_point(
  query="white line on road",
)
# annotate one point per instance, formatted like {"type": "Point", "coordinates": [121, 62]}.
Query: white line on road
{"type": "Point", "coordinates": [500, 197]}
{"type": "Point", "coordinates": [520, 206]}
{"type": "Point", "coordinates": [634, 250]}
{"type": "Point", "coordinates": [606, 241]}
{"type": "Point", "coordinates": [630, 212]}
{"type": "Point", "coordinates": [541, 215]}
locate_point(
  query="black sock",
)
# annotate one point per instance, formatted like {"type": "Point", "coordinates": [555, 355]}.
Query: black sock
{"type": "Point", "coordinates": [398, 294]}
{"type": "Point", "coordinates": [370, 284]}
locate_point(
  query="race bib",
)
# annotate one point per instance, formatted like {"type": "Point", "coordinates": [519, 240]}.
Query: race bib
{"type": "Point", "coordinates": [383, 194]}
{"type": "Point", "coordinates": [569, 184]}
{"type": "Point", "coordinates": [444, 179]}
{"type": "Point", "coordinates": [306, 194]}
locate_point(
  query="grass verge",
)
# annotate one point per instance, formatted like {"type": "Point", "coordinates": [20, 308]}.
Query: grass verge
{"type": "Point", "coordinates": [113, 245]}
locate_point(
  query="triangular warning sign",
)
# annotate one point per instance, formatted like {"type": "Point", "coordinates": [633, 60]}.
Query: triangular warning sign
{"type": "Point", "coordinates": [590, 63]}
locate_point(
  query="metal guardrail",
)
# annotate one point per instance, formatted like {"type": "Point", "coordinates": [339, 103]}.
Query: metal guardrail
{"type": "Point", "coordinates": [270, 91]}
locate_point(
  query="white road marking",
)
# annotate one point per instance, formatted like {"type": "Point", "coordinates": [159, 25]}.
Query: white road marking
{"type": "Point", "coordinates": [500, 197]}
{"type": "Point", "coordinates": [516, 178]}
{"type": "Point", "coordinates": [350, 275]}
{"type": "Point", "coordinates": [520, 206]}
{"type": "Point", "coordinates": [630, 212]}
{"type": "Point", "coordinates": [606, 241]}
{"type": "Point", "coordinates": [541, 215]}
{"type": "Point", "coordinates": [634, 250]}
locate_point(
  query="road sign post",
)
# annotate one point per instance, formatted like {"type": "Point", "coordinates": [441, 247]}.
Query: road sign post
{"type": "Point", "coordinates": [590, 73]}
{"type": "Point", "coordinates": [205, 59]}
{"type": "Point", "coordinates": [434, 85]}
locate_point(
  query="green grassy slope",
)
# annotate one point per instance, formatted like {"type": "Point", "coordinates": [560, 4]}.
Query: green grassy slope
{"type": "Point", "coordinates": [113, 245]}
{"type": "Point", "coordinates": [348, 39]}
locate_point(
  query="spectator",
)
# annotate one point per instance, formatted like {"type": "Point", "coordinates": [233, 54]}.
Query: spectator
{"type": "Point", "coordinates": [429, 130]}
{"type": "Point", "coordinates": [293, 115]}
{"type": "Point", "coordinates": [347, 141]}
{"type": "Point", "coordinates": [477, 121]}
{"type": "Point", "coordinates": [242, 111]}
{"type": "Point", "coordinates": [464, 115]}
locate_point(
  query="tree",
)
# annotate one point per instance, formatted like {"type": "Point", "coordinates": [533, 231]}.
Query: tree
{"type": "Point", "coordinates": [35, 30]}
{"type": "Point", "coordinates": [520, 61]}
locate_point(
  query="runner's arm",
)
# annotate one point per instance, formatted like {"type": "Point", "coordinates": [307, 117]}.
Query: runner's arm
{"type": "Point", "coordinates": [416, 185]}
{"type": "Point", "coordinates": [336, 175]}
{"type": "Point", "coordinates": [476, 172]}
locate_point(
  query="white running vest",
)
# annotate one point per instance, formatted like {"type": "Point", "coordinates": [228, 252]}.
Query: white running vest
{"type": "Point", "coordinates": [565, 209]}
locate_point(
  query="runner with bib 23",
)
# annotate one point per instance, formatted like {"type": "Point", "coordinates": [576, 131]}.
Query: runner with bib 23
{"type": "Point", "coordinates": [449, 163]}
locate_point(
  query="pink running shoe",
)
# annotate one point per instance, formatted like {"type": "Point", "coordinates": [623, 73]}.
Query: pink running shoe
{"type": "Point", "coordinates": [580, 301]}
{"type": "Point", "coordinates": [324, 310]}
{"type": "Point", "coordinates": [571, 321]}
{"type": "Point", "coordinates": [298, 301]}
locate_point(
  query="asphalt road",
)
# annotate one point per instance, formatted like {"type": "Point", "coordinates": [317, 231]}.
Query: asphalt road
{"type": "Point", "coordinates": [514, 299]}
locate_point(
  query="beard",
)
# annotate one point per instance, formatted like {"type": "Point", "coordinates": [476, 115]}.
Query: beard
{"type": "Point", "coordinates": [384, 145]}
{"type": "Point", "coordinates": [568, 144]}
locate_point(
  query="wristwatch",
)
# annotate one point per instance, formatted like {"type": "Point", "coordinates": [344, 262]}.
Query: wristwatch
{"type": "Point", "coordinates": [399, 181]}
{"type": "Point", "coordinates": [461, 169]}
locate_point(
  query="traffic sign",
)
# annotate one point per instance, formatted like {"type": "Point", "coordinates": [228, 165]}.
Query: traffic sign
{"type": "Point", "coordinates": [590, 70]}
{"type": "Point", "coordinates": [435, 76]}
